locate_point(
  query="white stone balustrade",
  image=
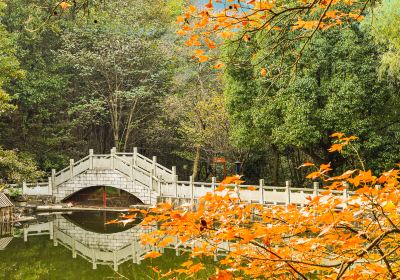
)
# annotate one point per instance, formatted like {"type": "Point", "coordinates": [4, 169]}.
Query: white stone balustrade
{"type": "Point", "coordinates": [150, 181]}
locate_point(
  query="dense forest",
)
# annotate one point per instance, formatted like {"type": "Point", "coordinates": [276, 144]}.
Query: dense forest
{"type": "Point", "coordinates": [116, 74]}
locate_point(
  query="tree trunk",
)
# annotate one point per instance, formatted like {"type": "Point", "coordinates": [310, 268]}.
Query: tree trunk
{"type": "Point", "coordinates": [115, 123]}
{"type": "Point", "coordinates": [275, 167]}
{"type": "Point", "coordinates": [129, 126]}
{"type": "Point", "coordinates": [196, 163]}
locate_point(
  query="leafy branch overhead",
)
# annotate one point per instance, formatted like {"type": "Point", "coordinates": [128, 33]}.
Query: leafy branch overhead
{"type": "Point", "coordinates": [285, 23]}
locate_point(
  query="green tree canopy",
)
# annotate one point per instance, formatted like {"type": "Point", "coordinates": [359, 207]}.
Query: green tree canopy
{"type": "Point", "coordinates": [336, 88]}
{"type": "Point", "coordinates": [384, 25]}
{"type": "Point", "coordinates": [9, 65]}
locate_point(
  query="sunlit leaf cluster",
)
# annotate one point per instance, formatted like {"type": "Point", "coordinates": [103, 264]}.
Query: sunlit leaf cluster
{"type": "Point", "coordinates": [287, 22]}
{"type": "Point", "coordinates": [332, 237]}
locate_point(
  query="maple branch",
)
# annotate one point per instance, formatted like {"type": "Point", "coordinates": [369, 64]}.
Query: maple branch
{"type": "Point", "coordinates": [358, 156]}
{"type": "Point", "coordinates": [364, 251]}
{"type": "Point", "coordinates": [279, 257]}
{"type": "Point", "coordinates": [385, 260]}
{"type": "Point", "coordinates": [312, 33]}
{"type": "Point", "coordinates": [384, 257]}
{"type": "Point", "coordinates": [388, 253]}
{"type": "Point", "coordinates": [382, 211]}
{"type": "Point", "coordinates": [295, 261]}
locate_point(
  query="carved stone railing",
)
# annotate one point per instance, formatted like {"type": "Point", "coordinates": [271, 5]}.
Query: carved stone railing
{"type": "Point", "coordinates": [263, 194]}
{"type": "Point", "coordinates": [139, 168]}
{"type": "Point", "coordinates": [164, 182]}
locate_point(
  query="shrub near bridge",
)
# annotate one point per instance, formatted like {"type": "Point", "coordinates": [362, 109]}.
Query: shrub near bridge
{"type": "Point", "coordinates": [332, 237]}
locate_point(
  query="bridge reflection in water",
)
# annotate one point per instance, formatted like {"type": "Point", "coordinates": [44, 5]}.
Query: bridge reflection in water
{"type": "Point", "coordinates": [95, 242]}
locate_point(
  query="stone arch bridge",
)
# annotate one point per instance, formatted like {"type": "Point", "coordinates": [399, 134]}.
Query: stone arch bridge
{"type": "Point", "coordinates": [149, 181]}
{"type": "Point", "coordinates": [129, 172]}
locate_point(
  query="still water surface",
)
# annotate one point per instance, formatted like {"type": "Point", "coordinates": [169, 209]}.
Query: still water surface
{"type": "Point", "coordinates": [79, 245]}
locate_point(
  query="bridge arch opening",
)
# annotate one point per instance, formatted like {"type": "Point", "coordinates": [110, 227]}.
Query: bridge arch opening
{"type": "Point", "coordinates": [102, 196]}
{"type": "Point", "coordinates": [96, 221]}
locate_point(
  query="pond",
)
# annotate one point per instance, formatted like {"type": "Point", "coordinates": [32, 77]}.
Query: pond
{"type": "Point", "coordinates": [79, 245]}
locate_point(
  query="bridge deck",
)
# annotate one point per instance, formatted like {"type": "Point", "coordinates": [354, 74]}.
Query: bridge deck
{"type": "Point", "coordinates": [162, 182]}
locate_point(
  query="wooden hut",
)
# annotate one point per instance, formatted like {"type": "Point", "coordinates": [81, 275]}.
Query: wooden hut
{"type": "Point", "coordinates": [6, 208]}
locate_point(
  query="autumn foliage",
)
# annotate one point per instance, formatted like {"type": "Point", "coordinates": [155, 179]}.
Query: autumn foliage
{"type": "Point", "coordinates": [332, 237]}
{"type": "Point", "coordinates": [207, 27]}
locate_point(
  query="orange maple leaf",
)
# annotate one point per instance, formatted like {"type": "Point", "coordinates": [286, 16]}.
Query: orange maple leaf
{"type": "Point", "coordinates": [222, 275]}
{"type": "Point", "coordinates": [199, 52]}
{"type": "Point", "coordinates": [337, 135]}
{"type": "Point", "coordinates": [336, 147]}
{"type": "Point", "coordinates": [325, 167]}
{"type": "Point", "coordinates": [203, 58]}
{"type": "Point", "coordinates": [152, 255]}
{"type": "Point", "coordinates": [196, 268]}
{"type": "Point", "coordinates": [209, 5]}
{"type": "Point", "coordinates": [192, 8]}
{"type": "Point", "coordinates": [263, 72]}
{"type": "Point", "coordinates": [313, 175]}
{"type": "Point", "coordinates": [331, 14]}
{"type": "Point", "coordinates": [64, 5]}
{"type": "Point", "coordinates": [211, 44]}
{"type": "Point", "coordinates": [219, 65]}
{"type": "Point", "coordinates": [180, 19]}
{"type": "Point", "coordinates": [307, 164]}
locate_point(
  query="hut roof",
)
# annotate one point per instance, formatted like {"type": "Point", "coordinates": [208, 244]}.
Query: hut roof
{"type": "Point", "coordinates": [4, 201]}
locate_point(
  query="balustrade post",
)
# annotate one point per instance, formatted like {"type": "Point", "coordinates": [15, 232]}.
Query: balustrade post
{"type": "Point", "coordinates": [316, 187]}
{"type": "Point", "coordinates": [345, 193]}
{"type": "Point", "coordinates": [73, 249]}
{"type": "Point", "coordinates": [51, 229]}
{"type": "Point", "coordinates": [24, 188]}
{"type": "Point", "coordinates": [175, 180]}
{"type": "Point", "coordinates": [71, 167]}
{"type": "Point", "coordinates": [113, 152]}
{"type": "Point", "coordinates": [176, 187]}
{"type": "Point", "coordinates": [94, 264]}
{"type": "Point", "coordinates": [261, 190]}
{"type": "Point", "coordinates": [151, 185]}
{"type": "Point", "coordinates": [159, 185]}
{"type": "Point", "coordinates": [91, 152]}
{"type": "Point", "coordinates": [134, 250]}
{"type": "Point", "coordinates": [134, 158]}
{"type": "Point", "coordinates": [115, 266]}
{"type": "Point", "coordinates": [55, 241]}
{"type": "Point", "coordinates": [50, 186]}
{"type": "Point", "coordinates": [237, 190]}
{"type": "Point", "coordinates": [191, 188]}
{"type": "Point", "coordinates": [25, 234]}
{"type": "Point", "coordinates": [132, 172]}
{"type": "Point", "coordinates": [155, 165]}
{"type": "Point", "coordinates": [213, 183]}
{"type": "Point", "coordinates": [53, 177]}
{"type": "Point", "coordinates": [287, 184]}
{"type": "Point", "coordinates": [133, 163]}
{"type": "Point", "coordinates": [139, 250]}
